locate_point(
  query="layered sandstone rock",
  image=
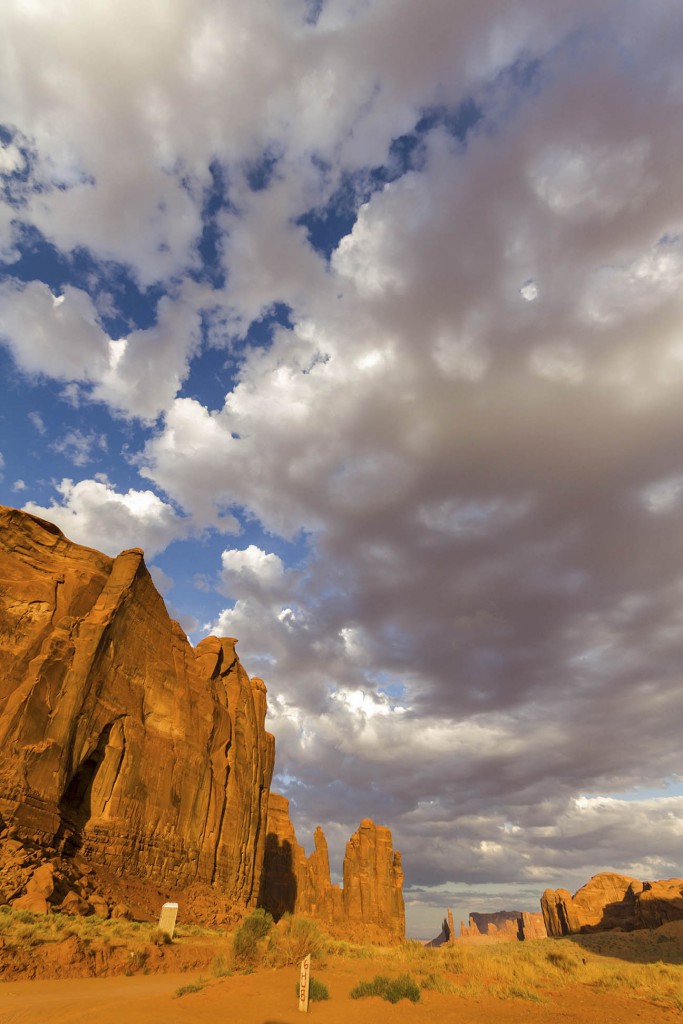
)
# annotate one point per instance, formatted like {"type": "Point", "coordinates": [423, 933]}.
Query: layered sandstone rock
{"type": "Point", "coordinates": [610, 901]}
{"type": "Point", "coordinates": [532, 926]}
{"type": "Point", "coordinates": [373, 881]}
{"type": "Point", "coordinates": [118, 740]}
{"type": "Point", "coordinates": [504, 926]}
{"type": "Point", "coordinates": [371, 902]}
{"type": "Point", "coordinates": [284, 878]}
{"type": "Point", "coordinates": [501, 924]}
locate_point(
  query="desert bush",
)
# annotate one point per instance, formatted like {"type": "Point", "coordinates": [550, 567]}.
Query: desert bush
{"type": "Point", "coordinates": [158, 937]}
{"type": "Point", "coordinates": [293, 939]}
{"type": "Point", "coordinates": [25, 916]}
{"type": "Point", "coordinates": [220, 966]}
{"type": "Point", "coordinates": [350, 950]}
{"type": "Point", "coordinates": [245, 941]}
{"type": "Point", "coordinates": [138, 957]}
{"type": "Point", "coordinates": [193, 986]}
{"type": "Point", "coordinates": [435, 982]}
{"type": "Point", "coordinates": [317, 990]}
{"type": "Point", "coordinates": [391, 989]}
{"type": "Point", "coordinates": [28, 935]}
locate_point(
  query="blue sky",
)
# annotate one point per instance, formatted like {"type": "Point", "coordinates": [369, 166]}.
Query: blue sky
{"type": "Point", "coordinates": [363, 319]}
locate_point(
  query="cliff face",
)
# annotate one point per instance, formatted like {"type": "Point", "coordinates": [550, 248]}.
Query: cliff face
{"type": "Point", "coordinates": [373, 880]}
{"type": "Point", "coordinates": [118, 740]}
{"type": "Point", "coordinates": [371, 903]}
{"type": "Point", "coordinates": [611, 901]}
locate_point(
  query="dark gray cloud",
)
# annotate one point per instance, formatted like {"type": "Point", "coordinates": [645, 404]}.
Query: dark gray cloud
{"type": "Point", "coordinates": [475, 416]}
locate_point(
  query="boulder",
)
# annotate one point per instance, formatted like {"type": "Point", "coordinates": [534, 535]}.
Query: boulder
{"type": "Point", "coordinates": [75, 905]}
{"type": "Point", "coordinates": [39, 888]}
{"type": "Point", "coordinates": [121, 912]}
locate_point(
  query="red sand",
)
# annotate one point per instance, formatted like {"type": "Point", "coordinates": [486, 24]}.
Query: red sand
{"type": "Point", "coordinates": [269, 997]}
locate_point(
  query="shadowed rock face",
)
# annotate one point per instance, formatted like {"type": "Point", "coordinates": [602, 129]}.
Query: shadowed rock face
{"type": "Point", "coordinates": [118, 740]}
{"type": "Point", "coordinates": [371, 903]}
{"type": "Point", "coordinates": [610, 901]}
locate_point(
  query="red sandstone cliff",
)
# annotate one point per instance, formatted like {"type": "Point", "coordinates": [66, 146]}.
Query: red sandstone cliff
{"type": "Point", "coordinates": [610, 901]}
{"type": "Point", "coordinates": [373, 881]}
{"type": "Point", "coordinates": [371, 903]}
{"type": "Point", "coordinates": [118, 739]}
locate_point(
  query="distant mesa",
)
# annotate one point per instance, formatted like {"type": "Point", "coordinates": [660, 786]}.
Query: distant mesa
{"type": "Point", "coordinates": [498, 926]}
{"type": "Point", "coordinates": [504, 926]}
{"type": "Point", "coordinates": [135, 767]}
{"type": "Point", "coordinates": [611, 901]}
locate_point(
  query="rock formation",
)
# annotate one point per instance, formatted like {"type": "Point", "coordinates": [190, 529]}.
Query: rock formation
{"type": "Point", "coordinates": [611, 901]}
{"type": "Point", "coordinates": [532, 926]}
{"type": "Point", "coordinates": [373, 880]}
{"type": "Point", "coordinates": [130, 760]}
{"type": "Point", "coordinates": [371, 901]}
{"type": "Point", "coordinates": [504, 926]}
{"type": "Point", "coordinates": [118, 740]}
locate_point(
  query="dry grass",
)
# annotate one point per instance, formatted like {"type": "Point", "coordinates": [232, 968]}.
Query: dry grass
{"type": "Point", "coordinates": [22, 928]}
{"type": "Point", "coordinates": [644, 965]}
{"type": "Point", "coordinates": [535, 970]}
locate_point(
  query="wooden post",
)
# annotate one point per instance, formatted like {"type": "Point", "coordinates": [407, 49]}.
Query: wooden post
{"type": "Point", "coordinates": [304, 983]}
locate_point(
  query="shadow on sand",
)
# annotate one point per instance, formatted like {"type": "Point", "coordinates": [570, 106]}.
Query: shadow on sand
{"type": "Point", "coordinates": [643, 946]}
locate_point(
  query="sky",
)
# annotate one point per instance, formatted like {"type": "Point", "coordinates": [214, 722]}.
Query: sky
{"type": "Point", "coordinates": [364, 318]}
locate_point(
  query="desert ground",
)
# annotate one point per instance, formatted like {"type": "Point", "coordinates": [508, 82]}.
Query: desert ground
{"type": "Point", "coordinates": [613, 978]}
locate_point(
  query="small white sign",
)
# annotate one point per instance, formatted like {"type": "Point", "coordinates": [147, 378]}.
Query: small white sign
{"type": "Point", "coordinates": [167, 918]}
{"type": "Point", "coordinates": [304, 983]}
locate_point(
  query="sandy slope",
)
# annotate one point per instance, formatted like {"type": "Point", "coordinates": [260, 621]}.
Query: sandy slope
{"type": "Point", "coordinates": [268, 997]}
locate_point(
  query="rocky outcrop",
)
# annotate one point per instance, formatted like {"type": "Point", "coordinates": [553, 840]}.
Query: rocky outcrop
{"type": "Point", "coordinates": [119, 741]}
{"type": "Point", "coordinates": [531, 926]}
{"type": "Point", "coordinates": [373, 881]}
{"type": "Point", "coordinates": [371, 901]}
{"type": "Point", "coordinates": [501, 924]}
{"type": "Point", "coordinates": [285, 876]}
{"type": "Point", "coordinates": [504, 926]}
{"type": "Point", "coordinates": [610, 901]}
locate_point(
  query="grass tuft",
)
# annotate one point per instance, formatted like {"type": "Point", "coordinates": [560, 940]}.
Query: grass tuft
{"type": "Point", "coordinates": [317, 990]}
{"type": "Point", "coordinates": [193, 986]}
{"type": "Point", "coordinates": [391, 989]}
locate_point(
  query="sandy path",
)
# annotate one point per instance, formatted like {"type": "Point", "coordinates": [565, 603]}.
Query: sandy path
{"type": "Point", "coordinates": [268, 997]}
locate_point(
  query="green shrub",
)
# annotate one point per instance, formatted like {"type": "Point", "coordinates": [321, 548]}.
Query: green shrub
{"type": "Point", "coordinates": [138, 957]}
{"type": "Point", "coordinates": [158, 937]}
{"type": "Point", "coordinates": [220, 966]}
{"type": "Point", "coordinates": [317, 990]}
{"type": "Point", "coordinates": [293, 939]}
{"type": "Point", "coordinates": [391, 989]}
{"type": "Point", "coordinates": [247, 937]}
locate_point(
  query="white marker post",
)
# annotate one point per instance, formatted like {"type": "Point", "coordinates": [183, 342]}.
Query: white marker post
{"type": "Point", "coordinates": [167, 919]}
{"type": "Point", "coordinates": [304, 983]}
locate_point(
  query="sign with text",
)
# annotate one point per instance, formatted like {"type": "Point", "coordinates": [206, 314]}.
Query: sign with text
{"type": "Point", "coordinates": [304, 983]}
